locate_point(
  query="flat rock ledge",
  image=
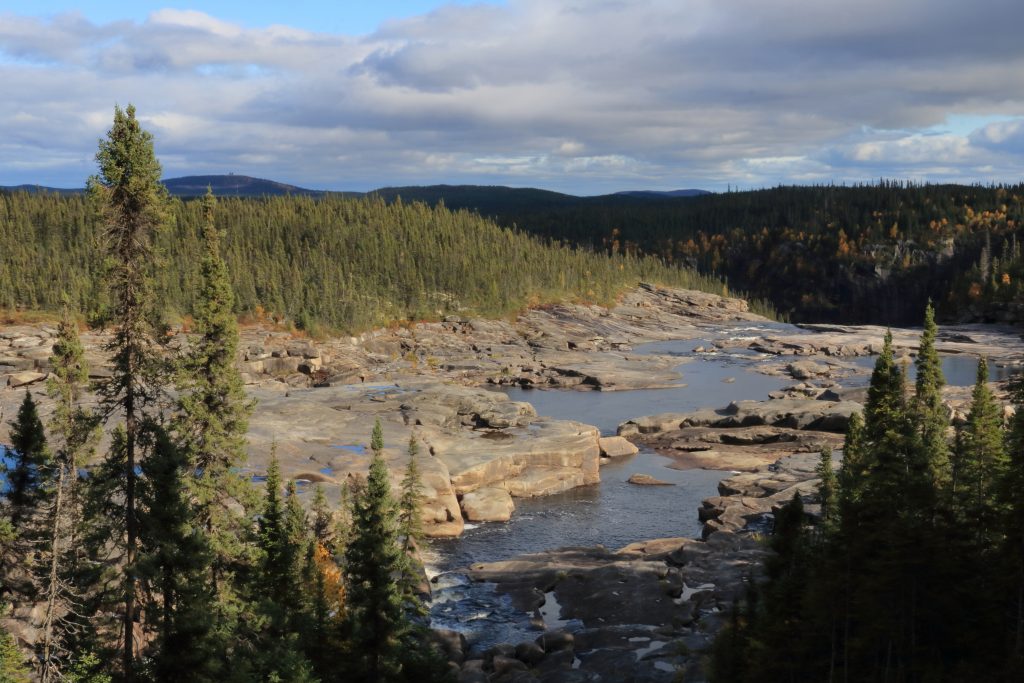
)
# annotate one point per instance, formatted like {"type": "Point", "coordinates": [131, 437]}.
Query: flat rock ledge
{"type": "Point", "coordinates": [646, 612]}
{"type": "Point", "coordinates": [748, 501]}
{"type": "Point", "coordinates": [745, 435]}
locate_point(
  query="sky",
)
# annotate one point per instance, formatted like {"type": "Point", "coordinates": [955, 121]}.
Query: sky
{"type": "Point", "coordinates": [579, 96]}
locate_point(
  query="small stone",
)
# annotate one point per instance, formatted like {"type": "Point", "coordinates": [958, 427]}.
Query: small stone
{"type": "Point", "coordinates": [647, 480]}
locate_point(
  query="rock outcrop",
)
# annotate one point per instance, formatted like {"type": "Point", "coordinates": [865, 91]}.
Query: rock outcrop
{"type": "Point", "coordinates": [646, 612]}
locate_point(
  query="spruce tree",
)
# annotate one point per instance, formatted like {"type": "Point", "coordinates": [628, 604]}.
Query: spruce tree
{"type": "Point", "coordinates": [981, 461]}
{"type": "Point", "coordinates": [323, 520]}
{"type": "Point", "coordinates": [132, 202]}
{"type": "Point", "coordinates": [886, 443]}
{"type": "Point", "coordinates": [1010, 491]}
{"type": "Point", "coordinates": [174, 563]}
{"type": "Point", "coordinates": [75, 430]}
{"type": "Point", "coordinates": [373, 566]}
{"type": "Point", "coordinates": [276, 539]}
{"type": "Point", "coordinates": [852, 470]}
{"type": "Point", "coordinates": [410, 529]}
{"type": "Point", "coordinates": [12, 663]}
{"type": "Point", "coordinates": [929, 414]}
{"type": "Point", "coordinates": [214, 410]}
{"type": "Point", "coordinates": [27, 478]}
{"type": "Point", "coordinates": [279, 655]}
{"type": "Point", "coordinates": [828, 489]}
{"type": "Point", "coordinates": [975, 530]}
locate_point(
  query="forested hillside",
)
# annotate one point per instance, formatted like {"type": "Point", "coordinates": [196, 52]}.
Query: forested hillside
{"type": "Point", "coordinates": [345, 264]}
{"type": "Point", "coordinates": [871, 253]}
{"type": "Point", "coordinates": [912, 565]}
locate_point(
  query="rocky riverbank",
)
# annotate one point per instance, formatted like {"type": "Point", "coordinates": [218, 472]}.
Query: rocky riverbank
{"type": "Point", "coordinates": [317, 399]}
{"type": "Point", "coordinates": [645, 612]}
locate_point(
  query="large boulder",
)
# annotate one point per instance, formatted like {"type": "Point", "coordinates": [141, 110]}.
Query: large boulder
{"type": "Point", "coordinates": [488, 504]}
{"type": "Point", "coordinates": [616, 447]}
{"type": "Point", "coordinates": [21, 379]}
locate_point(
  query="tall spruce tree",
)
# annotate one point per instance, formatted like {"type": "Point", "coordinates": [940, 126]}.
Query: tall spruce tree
{"type": "Point", "coordinates": [410, 529]}
{"type": "Point", "coordinates": [279, 648]}
{"type": "Point", "coordinates": [1010, 491]}
{"type": "Point", "coordinates": [373, 566]}
{"type": "Point", "coordinates": [930, 417]}
{"type": "Point", "coordinates": [174, 562]}
{"type": "Point", "coordinates": [75, 431]}
{"type": "Point", "coordinates": [828, 489]}
{"type": "Point", "coordinates": [981, 461]}
{"type": "Point", "coordinates": [214, 410]}
{"type": "Point", "coordinates": [132, 203]}
{"type": "Point", "coordinates": [276, 539]}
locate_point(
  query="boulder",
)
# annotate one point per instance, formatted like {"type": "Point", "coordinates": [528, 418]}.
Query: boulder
{"type": "Point", "coordinates": [530, 654]}
{"type": "Point", "coordinates": [488, 504]}
{"type": "Point", "coordinates": [616, 447]}
{"type": "Point", "coordinates": [647, 480]}
{"type": "Point", "coordinates": [806, 369]}
{"type": "Point", "coordinates": [452, 643]}
{"type": "Point", "coordinates": [21, 379]}
{"type": "Point", "coordinates": [555, 641]}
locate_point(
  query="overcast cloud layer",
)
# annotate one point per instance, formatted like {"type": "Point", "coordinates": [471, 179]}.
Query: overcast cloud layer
{"type": "Point", "coordinates": [585, 96]}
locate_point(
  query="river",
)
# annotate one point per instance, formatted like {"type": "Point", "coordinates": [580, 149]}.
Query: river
{"type": "Point", "coordinates": [615, 513]}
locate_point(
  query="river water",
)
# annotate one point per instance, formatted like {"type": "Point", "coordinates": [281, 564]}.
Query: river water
{"type": "Point", "coordinates": [615, 513]}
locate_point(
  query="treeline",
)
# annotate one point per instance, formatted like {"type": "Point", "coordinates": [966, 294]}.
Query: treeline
{"type": "Point", "coordinates": [156, 559]}
{"type": "Point", "coordinates": [867, 253]}
{"type": "Point", "coordinates": [336, 263]}
{"type": "Point", "coordinates": [914, 568]}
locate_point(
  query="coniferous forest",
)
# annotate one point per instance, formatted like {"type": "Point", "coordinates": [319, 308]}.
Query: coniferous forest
{"type": "Point", "coordinates": [329, 263]}
{"type": "Point", "coordinates": [157, 560]}
{"type": "Point", "coordinates": [912, 569]}
{"type": "Point", "coordinates": [828, 253]}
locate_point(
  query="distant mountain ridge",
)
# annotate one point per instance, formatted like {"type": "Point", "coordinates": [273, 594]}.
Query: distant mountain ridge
{"type": "Point", "coordinates": [664, 193]}
{"type": "Point", "coordinates": [485, 198]}
{"type": "Point", "coordinates": [232, 186]}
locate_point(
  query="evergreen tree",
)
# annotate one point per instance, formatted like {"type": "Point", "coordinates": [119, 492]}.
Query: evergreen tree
{"type": "Point", "coordinates": [1011, 498]}
{"type": "Point", "coordinates": [323, 522]}
{"type": "Point", "coordinates": [214, 410]}
{"type": "Point", "coordinates": [276, 540]}
{"type": "Point", "coordinates": [174, 563]}
{"type": "Point", "coordinates": [279, 655]}
{"type": "Point", "coordinates": [133, 205]}
{"type": "Point", "coordinates": [75, 431]}
{"type": "Point", "coordinates": [211, 423]}
{"type": "Point", "coordinates": [295, 518]}
{"type": "Point", "coordinates": [27, 479]}
{"type": "Point", "coordinates": [373, 566]}
{"type": "Point", "coordinates": [410, 529]}
{"type": "Point", "coordinates": [12, 664]}
{"type": "Point", "coordinates": [981, 462]}
{"type": "Point", "coordinates": [975, 530]}
{"type": "Point", "coordinates": [929, 414]}
{"type": "Point", "coordinates": [852, 470]}
{"type": "Point", "coordinates": [828, 489]}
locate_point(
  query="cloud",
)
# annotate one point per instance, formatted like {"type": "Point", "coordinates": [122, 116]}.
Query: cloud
{"type": "Point", "coordinates": [579, 96]}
